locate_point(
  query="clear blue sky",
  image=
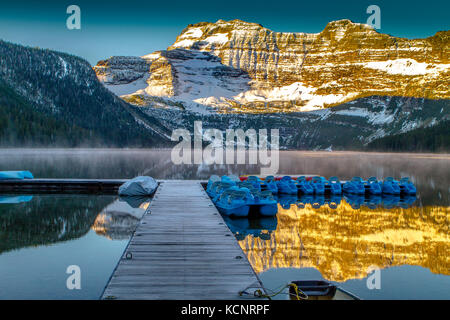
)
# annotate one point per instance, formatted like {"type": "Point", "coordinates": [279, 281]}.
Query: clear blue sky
{"type": "Point", "coordinates": [139, 27]}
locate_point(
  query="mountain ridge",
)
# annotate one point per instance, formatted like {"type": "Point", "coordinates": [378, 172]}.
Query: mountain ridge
{"type": "Point", "coordinates": [64, 90]}
{"type": "Point", "coordinates": [248, 68]}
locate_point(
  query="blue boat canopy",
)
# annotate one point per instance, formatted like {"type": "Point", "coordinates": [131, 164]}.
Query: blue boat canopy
{"type": "Point", "coordinates": [7, 175]}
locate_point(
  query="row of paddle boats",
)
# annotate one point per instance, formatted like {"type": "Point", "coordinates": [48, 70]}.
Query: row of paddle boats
{"type": "Point", "coordinates": [235, 196]}
{"type": "Point", "coordinates": [321, 185]}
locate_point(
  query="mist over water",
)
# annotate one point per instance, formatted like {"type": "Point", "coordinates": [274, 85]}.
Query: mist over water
{"type": "Point", "coordinates": [428, 171]}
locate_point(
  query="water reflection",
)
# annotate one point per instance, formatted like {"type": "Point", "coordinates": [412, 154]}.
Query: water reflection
{"type": "Point", "coordinates": [5, 199]}
{"type": "Point", "coordinates": [343, 237]}
{"type": "Point", "coordinates": [44, 220]}
{"type": "Point", "coordinates": [119, 219]}
{"type": "Point", "coordinates": [256, 227]}
{"type": "Point", "coordinates": [51, 232]}
{"type": "Point", "coordinates": [355, 201]}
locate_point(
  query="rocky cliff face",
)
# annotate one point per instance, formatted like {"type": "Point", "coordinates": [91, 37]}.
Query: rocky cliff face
{"type": "Point", "coordinates": [235, 66]}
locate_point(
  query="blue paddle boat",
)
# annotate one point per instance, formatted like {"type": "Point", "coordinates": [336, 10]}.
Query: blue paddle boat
{"type": "Point", "coordinates": [354, 186]}
{"type": "Point", "coordinates": [266, 203]}
{"type": "Point", "coordinates": [255, 182]}
{"type": "Point", "coordinates": [211, 181]}
{"type": "Point", "coordinates": [390, 186]}
{"type": "Point", "coordinates": [220, 187]}
{"type": "Point", "coordinates": [372, 186]}
{"type": "Point", "coordinates": [261, 202]}
{"type": "Point", "coordinates": [334, 185]}
{"type": "Point", "coordinates": [286, 186]}
{"type": "Point", "coordinates": [406, 186]}
{"type": "Point", "coordinates": [270, 184]}
{"type": "Point", "coordinates": [303, 186]}
{"type": "Point", "coordinates": [210, 188]}
{"type": "Point", "coordinates": [234, 202]}
{"type": "Point", "coordinates": [318, 183]}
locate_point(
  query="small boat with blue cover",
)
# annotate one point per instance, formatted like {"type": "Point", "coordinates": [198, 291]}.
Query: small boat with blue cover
{"type": "Point", "coordinates": [303, 186]}
{"type": "Point", "coordinates": [390, 186]}
{"type": "Point", "coordinates": [354, 186]}
{"type": "Point", "coordinates": [286, 185]}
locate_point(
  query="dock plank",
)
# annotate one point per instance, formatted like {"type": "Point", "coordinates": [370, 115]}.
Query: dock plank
{"type": "Point", "coordinates": [182, 249]}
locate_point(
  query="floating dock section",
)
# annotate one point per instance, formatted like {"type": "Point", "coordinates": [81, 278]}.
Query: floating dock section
{"type": "Point", "coordinates": [182, 249]}
{"type": "Point", "coordinates": [61, 185]}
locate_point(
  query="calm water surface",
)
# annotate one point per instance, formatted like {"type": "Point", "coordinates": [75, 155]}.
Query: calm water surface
{"type": "Point", "coordinates": [41, 235]}
{"type": "Point", "coordinates": [311, 238]}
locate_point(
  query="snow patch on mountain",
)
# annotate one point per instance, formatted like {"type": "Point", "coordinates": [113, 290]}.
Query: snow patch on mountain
{"type": "Point", "coordinates": [294, 92]}
{"type": "Point", "coordinates": [128, 88]}
{"type": "Point", "coordinates": [407, 67]}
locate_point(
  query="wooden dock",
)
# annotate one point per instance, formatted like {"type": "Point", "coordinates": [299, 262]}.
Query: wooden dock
{"type": "Point", "coordinates": [182, 249]}
{"type": "Point", "coordinates": [61, 185]}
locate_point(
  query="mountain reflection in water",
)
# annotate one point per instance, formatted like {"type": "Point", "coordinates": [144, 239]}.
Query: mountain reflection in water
{"type": "Point", "coordinates": [33, 220]}
{"type": "Point", "coordinates": [342, 238]}
{"type": "Point", "coordinates": [52, 231]}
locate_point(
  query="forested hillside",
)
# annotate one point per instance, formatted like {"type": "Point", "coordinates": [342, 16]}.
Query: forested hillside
{"type": "Point", "coordinates": [55, 98]}
{"type": "Point", "coordinates": [431, 139]}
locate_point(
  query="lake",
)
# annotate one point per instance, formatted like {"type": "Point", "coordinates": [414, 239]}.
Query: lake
{"type": "Point", "coordinates": [339, 239]}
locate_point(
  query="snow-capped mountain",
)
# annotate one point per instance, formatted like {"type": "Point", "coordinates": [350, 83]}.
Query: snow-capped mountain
{"type": "Point", "coordinates": [235, 66]}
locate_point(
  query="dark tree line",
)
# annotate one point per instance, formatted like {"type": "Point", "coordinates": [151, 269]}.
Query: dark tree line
{"type": "Point", "coordinates": [432, 139]}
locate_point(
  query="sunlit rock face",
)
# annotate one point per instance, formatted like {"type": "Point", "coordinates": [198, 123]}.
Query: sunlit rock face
{"type": "Point", "coordinates": [343, 243]}
{"type": "Point", "coordinates": [235, 66]}
{"type": "Point", "coordinates": [118, 220]}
